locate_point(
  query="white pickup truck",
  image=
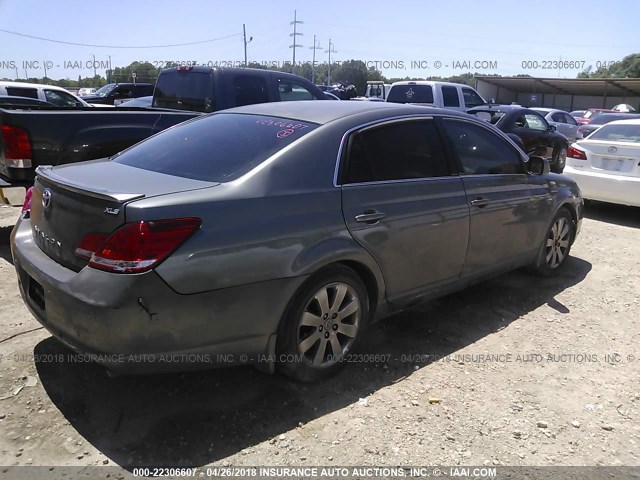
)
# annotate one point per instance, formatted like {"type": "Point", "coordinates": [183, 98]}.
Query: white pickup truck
{"type": "Point", "coordinates": [456, 96]}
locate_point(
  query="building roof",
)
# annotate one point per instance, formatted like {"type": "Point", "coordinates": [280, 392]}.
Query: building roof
{"type": "Point", "coordinates": [613, 87]}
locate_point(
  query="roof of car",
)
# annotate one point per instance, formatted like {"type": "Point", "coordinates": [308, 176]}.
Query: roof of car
{"type": "Point", "coordinates": [322, 112]}
{"type": "Point", "coordinates": [631, 121]}
{"type": "Point", "coordinates": [547, 110]}
{"type": "Point", "coordinates": [497, 108]}
{"type": "Point", "coordinates": [30, 85]}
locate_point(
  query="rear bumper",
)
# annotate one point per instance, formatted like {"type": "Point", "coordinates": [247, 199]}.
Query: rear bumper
{"type": "Point", "coordinates": [605, 187]}
{"type": "Point", "coordinates": [138, 324]}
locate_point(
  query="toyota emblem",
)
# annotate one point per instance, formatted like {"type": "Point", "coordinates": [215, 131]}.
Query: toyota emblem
{"type": "Point", "coordinates": [612, 150]}
{"type": "Point", "coordinates": [46, 198]}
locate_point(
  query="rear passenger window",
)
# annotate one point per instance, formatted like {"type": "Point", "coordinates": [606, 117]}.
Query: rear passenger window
{"type": "Point", "coordinates": [481, 151]}
{"type": "Point", "coordinates": [250, 90]}
{"type": "Point", "coordinates": [450, 97]}
{"type": "Point", "coordinates": [402, 150]}
{"type": "Point", "coordinates": [22, 92]}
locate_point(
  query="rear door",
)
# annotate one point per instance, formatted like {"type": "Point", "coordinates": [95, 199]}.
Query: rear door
{"type": "Point", "coordinates": [450, 97]}
{"type": "Point", "coordinates": [507, 211]}
{"type": "Point", "coordinates": [402, 204]}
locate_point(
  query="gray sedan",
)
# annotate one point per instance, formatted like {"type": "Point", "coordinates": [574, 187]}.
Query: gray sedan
{"type": "Point", "coordinates": [565, 123]}
{"type": "Point", "coordinates": [274, 234]}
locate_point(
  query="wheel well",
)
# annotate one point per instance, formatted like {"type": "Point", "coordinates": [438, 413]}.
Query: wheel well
{"type": "Point", "coordinates": [572, 211]}
{"type": "Point", "coordinates": [369, 281]}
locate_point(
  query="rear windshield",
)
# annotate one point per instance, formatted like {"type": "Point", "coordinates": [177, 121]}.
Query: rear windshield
{"type": "Point", "coordinates": [411, 94]}
{"type": "Point", "coordinates": [215, 148]}
{"type": "Point", "coordinates": [185, 90]}
{"type": "Point", "coordinates": [617, 133]}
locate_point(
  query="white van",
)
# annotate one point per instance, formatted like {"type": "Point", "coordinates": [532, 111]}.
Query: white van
{"type": "Point", "coordinates": [47, 93]}
{"type": "Point", "coordinates": [377, 89]}
{"type": "Point", "coordinates": [455, 96]}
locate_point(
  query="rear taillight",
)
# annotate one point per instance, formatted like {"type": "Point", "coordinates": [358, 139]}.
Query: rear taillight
{"type": "Point", "coordinates": [17, 147]}
{"type": "Point", "coordinates": [140, 246]}
{"type": "Point", "coordinates": [576, 154]}
{"type": "Point", "coordinates": [26, 206]}
{"type": "Point", "coordinates": [89, 244]}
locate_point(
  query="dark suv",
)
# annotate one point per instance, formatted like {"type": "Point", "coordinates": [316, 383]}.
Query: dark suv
{"type": "Point", "coordinates": [116, 93]}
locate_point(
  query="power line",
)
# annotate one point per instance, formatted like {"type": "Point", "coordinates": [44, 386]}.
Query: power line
{"type": "Point", "coordinates": [118, 46]}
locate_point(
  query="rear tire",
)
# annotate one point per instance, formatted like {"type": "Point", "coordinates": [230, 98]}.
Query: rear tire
{"type": "Point", "coordinates": [556, 245]}
{"type": "Point", "coordinates": [323, 323]}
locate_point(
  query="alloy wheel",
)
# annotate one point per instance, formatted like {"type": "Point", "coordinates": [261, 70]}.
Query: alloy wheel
{"type": "Point", "coordinates": [558, 242]}
{"type": "Point", "coordinates": [329, 324]}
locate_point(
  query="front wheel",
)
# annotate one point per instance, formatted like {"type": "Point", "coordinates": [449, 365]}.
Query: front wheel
{"type": "Point", "coordinates": [559, 160]}
{"type": "Point", "coordinates": [323, 323]}
{"type": "Point", "coordinates": [556, 246]}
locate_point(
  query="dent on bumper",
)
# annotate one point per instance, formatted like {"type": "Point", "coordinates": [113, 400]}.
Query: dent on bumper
{"type": "Point", "coordinates": [137, 323]}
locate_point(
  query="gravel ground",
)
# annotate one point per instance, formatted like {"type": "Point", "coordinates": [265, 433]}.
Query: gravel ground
{"type": "Point", "coordinates": [516, 371]}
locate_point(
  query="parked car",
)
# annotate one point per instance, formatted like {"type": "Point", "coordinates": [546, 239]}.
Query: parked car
{"type": "Point", "coordinates": [606, 164]}
{"type": "Point", "coordinates": [50, 94]}
{"type": "Point", "coordinates": [592, 113]}
{"type": "Point", "coordinates": [537, 136]}
{"type": "Point", "coordinates": [86, 91]}
{"type": "Point", "coordinates": [331, 96]}
{"type": "Point", "coordinates": [58, 137]}
{"type": "Point", "coordinates": [563, 121]}
{"type": "Point", "coordinates": [623, 107]}
{"type": "Point", "coordinates": [116, 93]}
{"type": "Point", "coordinates": [140, 102]}
{"type": "Point", "coordinates": [577, 113]}
{"type": "Point", "coordinates": [377, 91]}
{"type": "Point", "coordinates": [280, 231]}
{"type": "Point", "coordinates": [602, 119]}
{"type": "Point", "coordinates": [455, 96]}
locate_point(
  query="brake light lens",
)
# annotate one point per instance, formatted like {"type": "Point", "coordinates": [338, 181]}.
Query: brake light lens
{"type": "Point", "coordinates": [26, 206]}
{"type": "Point", "coordinates": [17, 147]}
{"type": "Point", "coordinates": [138, 247]}
{"type": "Point", "coordinates": [576, 154]}
{"type": "Point", "coordinates": [89, 244]}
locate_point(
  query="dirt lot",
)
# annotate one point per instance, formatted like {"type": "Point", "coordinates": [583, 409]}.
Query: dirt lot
{"type": "Point", "coordinates": [516, 371]}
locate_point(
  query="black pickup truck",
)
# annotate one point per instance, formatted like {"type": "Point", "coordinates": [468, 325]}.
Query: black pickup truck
{"type": "Point", "coordinates": [33, 136]}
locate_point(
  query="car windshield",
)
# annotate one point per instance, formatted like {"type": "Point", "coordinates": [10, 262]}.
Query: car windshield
{"type": "Point", "coordinates": [215, 148]}
{"type": "Point", "coordinates": [104, 91]}
{"type": "Point", "coordinates": [617, 133]}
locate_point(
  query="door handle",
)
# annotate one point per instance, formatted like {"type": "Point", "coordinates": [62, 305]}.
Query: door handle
{"type": "Point", "coordinates": [370, 217]}
{"type": "Point", "coordinates": [480, 202]}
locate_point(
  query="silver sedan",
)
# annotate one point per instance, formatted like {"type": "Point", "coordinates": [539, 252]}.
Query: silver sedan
{"type": "Point", "coordinates": [564, 122]}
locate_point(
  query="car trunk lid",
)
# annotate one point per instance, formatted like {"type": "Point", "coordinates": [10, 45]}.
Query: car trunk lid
{"type": "Point", "coordinates": [618, 159]}
{"type": "Point", "coordinates": [71, 202]}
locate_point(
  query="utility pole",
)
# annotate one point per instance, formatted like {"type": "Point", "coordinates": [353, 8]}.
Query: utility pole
{"type": "Point", "coordinates": [95, 73]}
{"type": "Point", "coordinates": [330, 51]}
{"type": "Point", "coordinates": [244, 37]}
{"type": "Point", "coordinates": [295, 34]}
{"type": "Point", "coordinates": [313, 64]}
{"type": "Point", "coordinates": [44, 64]}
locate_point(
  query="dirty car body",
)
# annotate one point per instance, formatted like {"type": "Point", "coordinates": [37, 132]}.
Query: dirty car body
{"type": "Point", "coordinates": [202, 242]}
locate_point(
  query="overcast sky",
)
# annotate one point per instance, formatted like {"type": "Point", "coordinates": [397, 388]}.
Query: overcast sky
{"type": "Point", "coordinates": [415, 38]}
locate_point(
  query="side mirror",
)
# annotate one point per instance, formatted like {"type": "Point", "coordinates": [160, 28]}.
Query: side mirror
{"type": "Point", "coordinates": [539, 166]}
{"type": "Point", "coordinates": [552, 128]}
{"type": "Point", "coordinates": [492, 101]}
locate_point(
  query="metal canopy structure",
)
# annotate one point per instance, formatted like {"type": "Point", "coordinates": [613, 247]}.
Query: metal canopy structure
{"type": "Point", "coordinates": [560, 92]}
